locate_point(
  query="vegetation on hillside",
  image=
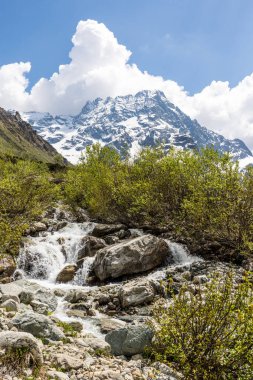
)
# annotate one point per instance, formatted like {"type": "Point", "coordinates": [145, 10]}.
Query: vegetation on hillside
{"type": "Point", "coordinates": [26, 191]}
{"type": "Point", "coordinates": [194, 194]}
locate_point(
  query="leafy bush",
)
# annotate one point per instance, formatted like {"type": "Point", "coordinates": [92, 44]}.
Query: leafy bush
{"type": "Point", "coordinates": [26, 191]}
{"type": "Point", "coordinates": [208, 335]}
{"type": "Point", "coordinates": [195, 194]}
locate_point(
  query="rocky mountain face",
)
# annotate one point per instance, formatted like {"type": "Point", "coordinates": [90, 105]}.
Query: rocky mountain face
{"type": "Point", "coordinates": [17, 138]}
{"type": "Point", "coordinates": [129, 122]}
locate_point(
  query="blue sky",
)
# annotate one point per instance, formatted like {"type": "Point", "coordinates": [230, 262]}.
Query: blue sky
{"type": "Point", "coordinates": [199, 52]}
{"type": "Point", "coordinates": [190, 41]}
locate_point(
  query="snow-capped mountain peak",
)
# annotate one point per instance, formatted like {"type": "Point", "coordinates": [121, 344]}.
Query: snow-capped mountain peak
{"type": "Point", "coordinates": [133, 121]}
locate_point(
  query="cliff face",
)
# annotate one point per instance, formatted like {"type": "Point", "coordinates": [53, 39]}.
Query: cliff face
{"type": "Point", "coordinates": [17, 138]}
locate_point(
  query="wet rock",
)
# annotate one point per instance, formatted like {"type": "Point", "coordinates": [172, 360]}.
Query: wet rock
{"type": "Point", "coordinates": [67, 273]}
{"type": "Point", "coordinates": [39, 226]}
{"type": "Point", "coordinates": [132, 256]}
{"type": "Point", "coordinates": [47, 297]}
{"type": "Point", "coordinates": [107, 229]}
{"type": "Point", "coordinates": [129, 341]}
{"type": "Point", "coordinates": [38, 325]}
{"type": "Point", "coordinates": [75, 295]}
{"type": "Point", "coordinates": [110, 324]}
{"type": "Point", "coordinates": [60, 225]}
{"type": "Point", "coordinates": [89, 246]}
{"type": "Point", "coordinates": [7, 267]}
{"type": "Point", "coordinates": [76, 325]}
{"type": "Point", "coordinates": [136, 293]}
{"type": "Point", "coordinates": [111, 239]}
{"type": "Point", "coordinates": [33, 264]}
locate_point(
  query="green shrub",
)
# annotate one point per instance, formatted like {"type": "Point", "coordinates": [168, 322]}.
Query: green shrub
{"type": "Point", "coordinates": [208, 335]}
{"type": "Point", "coordinates": [26, 191]}
{"type": "Point", "coordinates": [195, 194]}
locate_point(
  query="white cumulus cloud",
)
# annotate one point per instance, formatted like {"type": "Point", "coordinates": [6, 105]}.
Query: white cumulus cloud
{"type": "Point", "coordinates": [99, 67]}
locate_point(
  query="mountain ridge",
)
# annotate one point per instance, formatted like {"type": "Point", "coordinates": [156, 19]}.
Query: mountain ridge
{"type": "Point", "coordinates": [132, 121]}
{"type": "Point", "coordinates": [18, 139]}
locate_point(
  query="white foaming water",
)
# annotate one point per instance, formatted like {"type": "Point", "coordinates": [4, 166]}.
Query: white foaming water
{"type": "Point", "coordinates": [43, 257]}
{"type": "Point", "coordinates": [181, 255]}
{"type": "Point", "coordinates": [88, 323]}
{"type": "Point", "coordinates": [82, 273]}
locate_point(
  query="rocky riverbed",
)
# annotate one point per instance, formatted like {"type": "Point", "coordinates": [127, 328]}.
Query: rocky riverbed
{"type": "Point", "coordinates": [81, 294]}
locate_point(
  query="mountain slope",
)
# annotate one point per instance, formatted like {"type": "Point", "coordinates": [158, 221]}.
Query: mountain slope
{"type": "Point", "coordinates": [132, 122]}
{"type": "Point", "coordinates": [17, 138]}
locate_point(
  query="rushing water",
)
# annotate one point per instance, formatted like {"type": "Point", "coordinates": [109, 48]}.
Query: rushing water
{"type": "Point", "coordinates": [43, 257]}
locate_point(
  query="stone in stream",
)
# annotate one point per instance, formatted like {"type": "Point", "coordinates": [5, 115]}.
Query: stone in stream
{"type": "Point", "coordinates": [89, 246]}
{"type": "Point", "coordinates": [130, 340]}
{"type": "Point", "coordinates": [110, 324]}
{"type": "Point", "coordinates": [137, 292]}
{"type": "Point", "coordinates": [132, 256]}
{"type": "Point", "coordinates": [101, 230]}
{"type": "Point", "coordinates": [38, 325]}
{"type": "Point", "coordinates": [67, 273]}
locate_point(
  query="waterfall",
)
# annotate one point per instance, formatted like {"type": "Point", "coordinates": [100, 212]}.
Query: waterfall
{"type": "Point", "coordinates": [181, 255]}
{"type": "Point", "coordinates": [43, 257]}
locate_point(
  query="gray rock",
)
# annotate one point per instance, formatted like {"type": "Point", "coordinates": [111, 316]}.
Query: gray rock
{"type": "Point", "coordinates": [97, 344]}
{"type": "Point", "coordinates": [129, 341]}
{"type": "Point", "coordinates": [67, 273]}
{"type": "Point", "coordinates": [136, 293]}
{"type": "Point", "coordinates": [75, 295]}
{"type": "Point", "coordinates": [67, 362]}
{"type": "Point", "coordinates": [89, 246]}
{"type": "Point", "coordinates": [110, 324]}
{"type": "Point", "coordinates": [47, 297]}
{"type": "Point", "coordinates": [111, 239]}
{"type": "Point", "coordinates": [107, 229]}
{"type": "Point", "coordinates": [6, 297]}
{"type": "Point", "coordinates": [38, 325]}
{"type": "Point", "coordinates": [39, 307]}
{"type": "Point", "coordinates": [12, 340]}
{"type": "Point", "coordinates": [10, 305]}
{"type": "Point", "coordinates": [38, 227]}
{"type": "Point", "coordinates": [56, 375]}
{"type": "Point", "coordinates": [132, 256]}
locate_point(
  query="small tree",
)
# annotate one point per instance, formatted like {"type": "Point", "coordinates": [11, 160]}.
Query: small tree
{"type": "Point", "coordinates": [208, 335]}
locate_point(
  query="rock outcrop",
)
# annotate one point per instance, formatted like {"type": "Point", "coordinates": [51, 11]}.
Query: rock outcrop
{"type": "Point", "coordinates": [133, 256]}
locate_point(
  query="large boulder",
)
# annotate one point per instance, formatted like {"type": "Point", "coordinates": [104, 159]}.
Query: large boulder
{"type": "Point", "coordinates": [136, 293]}
{"type": "Point", "coordinates": [25, 342]}
{"type": "Point", "coordinates": [7, 267]}
{"type": "Point", "coordinates": [38, 325]}
{"type": "Point", "coordinates": [132, 256]}
{"type": "Point", "coordinates": [107, 229]}
{"type": "Point", "coordinates": [67, 273]}
{"type": "Point", "coordinates": [129, 341]}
